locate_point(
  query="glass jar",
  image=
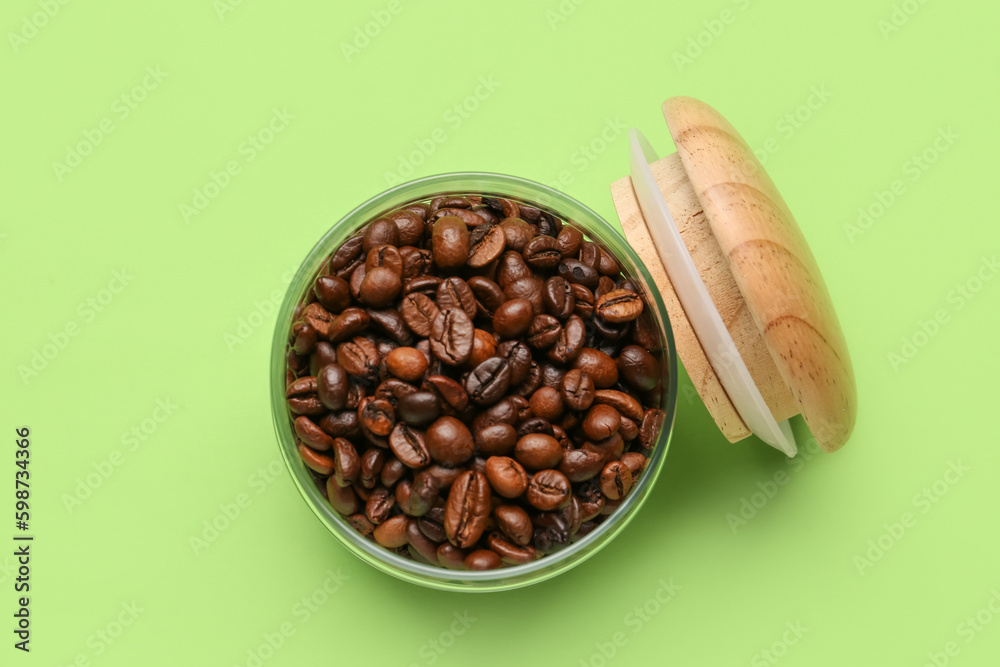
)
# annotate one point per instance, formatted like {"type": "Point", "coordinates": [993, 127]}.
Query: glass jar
{"type": "Point", "coordinates": [594, 227]}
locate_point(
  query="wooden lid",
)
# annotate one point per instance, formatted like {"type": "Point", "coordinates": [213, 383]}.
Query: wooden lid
{"type": "Point", "coordinates": [772, 266]}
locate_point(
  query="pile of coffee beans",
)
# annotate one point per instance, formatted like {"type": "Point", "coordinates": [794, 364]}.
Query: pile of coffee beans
{"type": "Point", "coordinates": [473, 383]}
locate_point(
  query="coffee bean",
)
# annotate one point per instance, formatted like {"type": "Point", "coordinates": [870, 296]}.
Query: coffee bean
{"type": "Point", "coordinates": [518, 357]}
{"type": "Point", "coordinates": [311, 434]}
{"type": "Point", "coordinates": [332, 293]}
{"type": "Point", "coordinates": [420, 544]}
{"type": "Point", "coordinates": [382, 231]}
{"type": "Point", "coordinates": [509, 553]}
{"type": "Point", "coordinates": [341, 424]}
{"type": "Point", "coordinates": [569, 342]}
{"type": "Point", "coordinates": [449, 441]}
{"type": "Point", "coordinates": [602, 421]}
{"type": "Point", "coordinates": [547, 403]}
{"type": "Point", "coordinates": [484, 346]}
{"type": "Point", "coordinates": [599, 366]}
{"type": "Point", "coordinates": [514, 522]}
{"type": "Point", "coordinates": [376, 416]}
{"type": "Point", "coordinates": [456, 293]}
{"type": "Point", "coordinates": [487, 247]}
{"type": "Point", "coordinates": [513, 318]}
{"type": "Point", "coordinates": [575, 271]}
{"type": "Point", "coordinates": [579, 465]}
{"type": "Point", "coordinates": [452, 394]}
{"type": "Point", "coordinates": [451, 336]}
{"type": "Point", "coordinates": [616, 480]}
{"type": "Point", "coordinates": [542, 252]}
{"type": "Point", "coordinates": [450, 243]}
{"type": "Point", "coordinates": [467, 509]}
{"type": "Point", "coordinates": [410, 226]}
{"type": "Point", "coordinates": [342, 498]}
{"type": "Point", "coordinates": [451, 557]}
{"type": "Point", "coordinates": [419, 313]}
{"type": "Point", "coordinates": [569, 241]}
{"type": "Point", "coordinates": [548, 490]}
{"type": "Point", "coordinates": [635, 462]}
{"type": "Point", "coordinates": [638, 367]}
{"type": "Point", "coordinates": [302, 398]}
{"type": "Point", "coordinates": [391, 533]}
{"type": "Point", "coordinates": [511, 269]}
{"type": "Point", "coordinates": [577, 389]}
{"type": "Point", "coordinates": [346, 254]}
{"type": "Point", "coordinates": [506, 476]}
{"type": "Point", "coordinates": [496, 440]}
{"type": "Point", "coordinates": [619, 306]}
{"type": "Point", "coordinates": [489, 381]}
{"type": "Point", "coordinates": [371, 465]}
{"type": "Point", "coordinates": [516, 232]}
{"type": "Point", "coordinates": [620, 401]}
{"type": "Point", "coordinates": [321, 465]}
{"type": "Point", "coordinates": [537, 451]}
{"type": "Point", "coordinates": [482, 559]}
{"type": "Point", "coordinates": [530, 289]}
{"type": "Point", "coordinates": [406, 363]}
{"type": "Point", "coordinates": [419, 408]}
{"type": "Point", "coordinates": [543, 332]}
{"type": "Point", "coordinates": [409, 446]}
{"type": "Point", "coordinates": [488, 295]}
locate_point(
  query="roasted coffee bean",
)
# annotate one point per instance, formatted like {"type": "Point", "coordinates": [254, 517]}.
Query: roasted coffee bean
{"type": "Point", "coordinates": [451, 557]}
{"type": "Point", "coordinates": [403, 491]}
{"type": "Point", "coordinates": [391, 322]}
{"type": "Point", "coordinates": [464, 214]}
{"type": "Point", "coordinates": [511, 269]}
{"type": "Point", "coordinates": [616, 480]}
{"type": "Point", "coordinates": [347, 253]}
{"type": "Point", "coordinates": [418, 408]}
{"type": "Point", "coordinates": [391, 533]}
{"type": "Point", "coordinates": [410, 226]}
{"type": "Point", "coordinates": [450, 243]}
{"type": "Point", "coordinates": [569, 241]}
{"type": "Point", "coordinates": [305, 338]}
{"type": "Point", "coordinates": [534, 425]}
{"type": "Point", "coordinates": [488, 295]}
{"type": "Point", "coordinates": [558, 298]}
{"type": "Point", "coordinates": [422, 210]}
{"type": "Point", "coordinates": [508, 552]}
{"type": "Point", "coordinates": [584, 301]}
{"type": "Point", "coordinates": [577, 389]}
{"type": "Point", "coordinates": [529, 289]}
{"type": "Point", "coordinates": [496, 440]}
{"type": "Point", "coordinates": [542, 253]}
{"type": "Point", "coordinates": [376, 416]}
{"type": "Point", "coordinates": [371, 465]}
{"type": "Point", "coordinates": [443, 475]}
{"type": "Point", "coordinates": [382, 231]}
{"type": "Point", "coordinates": [432, 530]}
{"type": "Point", "coordinates": [482, 559]}
{"type": "Point", "coordinates": [451, 336]}
{"type": "Point", "coordinates": [506, 476]}
{"type": "Point", "coordinates": [530, 383]}
{"type": "Point", "coordinates": [569, 342]}
{"type": "Point", "coordinates": [341, 424]}
{"type": "Point", "coordinates": [652, 421]}
{"type": "Point", "coordinates": [607, 264]}
{"type": "Point", "coordinates": [575, 271]}
{"type": "Point", "coordinates": [302, 397]}
{"type": "Point", "coordinates": [322, 465]}
{"type": "Point", "coordinates": [547, 403]}
{"type": "Point", "coordinates": [456, 293]}
{"type": "Point", "coordinates": [392, 471]}
{"type": "Point", "coordinates": [452, 394]}
{"type": "Point", "coordinates": [380, 287]}
{"type": "Point", "coordinates": [548, 490]}
{"type": "Point", "coordinates": [406, 363]}
{"type": "Point", "coordinates": [610, 448]}
{"type": "Point", "coordinates": [359, 358]}
{"type": "Point", "coordinates": [488, 247]}
{"type": "Point", "coordinates": [484, 346]}
{"type": "Point", "coordinates": [644, 335]}
{"type": "Point", "coordinates": [516, 232]}
{"type": "Point", "coordinates": [619, 306]}
{"type": "Point", "coordinates": [514, 522]}
{"type": "Point", "coordinates": [602, 421]}
{"type": "Point", "coordinates": [379, 505]}
{"type": "Point", "coordinates": [620, 401]}
{"type": "Point", "coordinates": [629, 430]}
{"type": "Point", "coordinates": [349, 323]}
{"type": "Point", "coordinates": [409, 446]}
{"type": "Point", "coordinates": [600, 367]}
{"type": "Point", "coordinates": [419, 312]}
{"type": "Point", "coordinates": [638, 367]}
{"type": "Point", "coordinates": [384, 256]}
{"type": "Point", "coordinates": [537, 451]}
{"type": "Point", "coordinates": [489, 381]}
{"type": "Point", "coordinates": [449, 441]}
{"type": "Point", "coordinates": [331, 386]}
{"type": "Point", "coordinates": [311, 434]}
{"type": "Point", "coordinates": [416, 262]}
{"type": "Point", "coordinates": [543, 332]}
{"type": "Point", "coordinates": [318, 318]}
{"type": "Point", "coordinates": [551, 530]}
{"type": "Point", "coordinates": [420, 544]}
{"type": "Point", "coordinates": [346, 461]}
{"type": "Point", "coordinates": [604, 285]}
{"type": "Point", "coordinates": [579, 465]}
{"type": "Point", "coordinates": [635, 462]}
{"type": "Point", "coordinates": [324, 354]}
{"type": "Point", "coordinates": [513, 318]}
{"type": "Point", "coordinates": [467, 509]}
{"type": "Point", "coordinates": [518, 357]}
{"type": "Point", "coordinates": [342, 498]}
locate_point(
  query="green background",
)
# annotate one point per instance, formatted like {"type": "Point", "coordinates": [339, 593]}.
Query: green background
{"type": "Point", "coordinates": [561, 74]}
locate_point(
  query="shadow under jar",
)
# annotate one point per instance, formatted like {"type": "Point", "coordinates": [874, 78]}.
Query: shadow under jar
{"type": "Point", "coordinates": [472, 383]}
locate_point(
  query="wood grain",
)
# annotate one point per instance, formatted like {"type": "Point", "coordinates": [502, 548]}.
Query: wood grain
{"type": "Point", "coordinates": [772, 265]}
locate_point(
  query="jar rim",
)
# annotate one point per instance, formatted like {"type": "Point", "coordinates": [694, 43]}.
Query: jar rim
{"type": "Point", "coordinates": [505, 578]}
